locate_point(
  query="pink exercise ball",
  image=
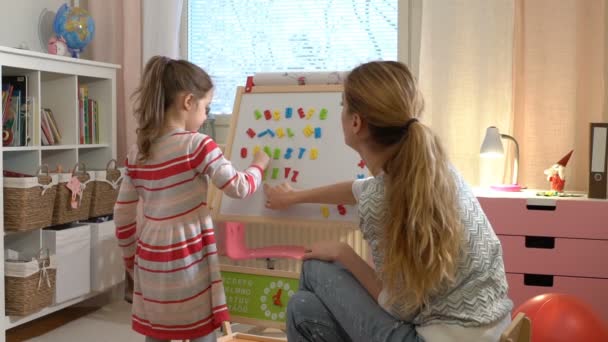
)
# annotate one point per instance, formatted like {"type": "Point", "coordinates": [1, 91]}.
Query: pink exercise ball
{"type": "Point", "coordinates": [560, 317]}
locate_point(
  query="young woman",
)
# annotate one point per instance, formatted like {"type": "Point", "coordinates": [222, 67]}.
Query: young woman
{"type": "Point", "coordinates": [439, 273]}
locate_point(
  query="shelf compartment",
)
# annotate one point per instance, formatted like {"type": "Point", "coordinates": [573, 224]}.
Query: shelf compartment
{"type": "Point", "coordinates": [26, 162]}
{"type": "Point", "coordinates": [33, 91]}
{"type": "Point", "coordinates": [59, 94]}
{"type": "Point", "coordinates": [100, 90]}
{"type": "Point", "coordinates": [66, 158]}
{"type": "Point", "coordinates": [95, 158]}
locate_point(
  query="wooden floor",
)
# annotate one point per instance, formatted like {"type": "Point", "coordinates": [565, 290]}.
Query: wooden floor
{"type": "Point", "coordinates": [45, 324]}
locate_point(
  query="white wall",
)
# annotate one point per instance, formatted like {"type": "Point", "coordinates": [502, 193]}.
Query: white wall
{"type": "Point", "coordinates": [19, 21]}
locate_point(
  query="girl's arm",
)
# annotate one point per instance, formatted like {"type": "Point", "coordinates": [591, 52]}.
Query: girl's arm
{"type": "Point", "coordinates": [208, 159]}
{"type": "Point", "coordinates": [125, 213]}
{"type": "Point", "coordinates": [283, 196]}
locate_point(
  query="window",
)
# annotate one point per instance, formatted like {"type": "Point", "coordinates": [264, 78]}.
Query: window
{"type": "Point", "coordinates": [233, 39]}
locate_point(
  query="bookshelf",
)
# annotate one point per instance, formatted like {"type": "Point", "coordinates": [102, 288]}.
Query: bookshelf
{"type": "Point", "coordinates": [53, 82]}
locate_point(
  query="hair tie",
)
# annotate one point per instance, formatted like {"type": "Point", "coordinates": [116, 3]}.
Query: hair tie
{"type": "Point", "coordinates": [405, 127]}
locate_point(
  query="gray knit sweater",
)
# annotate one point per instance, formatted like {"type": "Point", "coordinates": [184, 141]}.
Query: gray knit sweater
{"type": "Point", "coordinates": [479, 293]}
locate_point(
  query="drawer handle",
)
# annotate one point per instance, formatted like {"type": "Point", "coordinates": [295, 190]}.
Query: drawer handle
{"type": "Point", "coordinates": [538, 280]}
{"type": "Point", "coordinates": [540, 207]}
{"type": "Point", "coordinates": [543, 242]}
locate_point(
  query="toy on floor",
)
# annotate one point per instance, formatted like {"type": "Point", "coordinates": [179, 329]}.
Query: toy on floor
{"type": "Point", "coordinates": [560, 317]}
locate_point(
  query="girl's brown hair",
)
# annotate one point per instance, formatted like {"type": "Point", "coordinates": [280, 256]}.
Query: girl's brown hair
{"type": "Point", "coordinates": [423, 231]}
{"type": "Point", "coordinates": [163, 79]}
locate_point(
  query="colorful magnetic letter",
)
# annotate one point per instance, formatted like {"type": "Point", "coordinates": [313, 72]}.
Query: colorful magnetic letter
{"type": "Point", "coordinates": [310, 113]}
{"type": "Point", "coordinates": [251, 133]}
{"type": "Point", "coordinates": [323, 114]}
{"type": "Point", "coordinates": [287, 171]}
{"type": "Point", "coordinates": [325, 211]}
{"type": "Point", "coordinates": [294, 176]}
{"type": "Point", "coordinates": [267, 114]}
{"type": "Point", "coordinates": [308, 131]}
{"type": "Point", "coordinates": [360, 176]}
{"type": "Point", "coordinates": [301, 113]}
{"type": "Point", "coordinates": [262, 133]}
{"type": "Point", "coordinates": [268, 151]}
{"type": "Point", "coordinates": [288, 153]}
{"type": "Point", "coordinates": [301, 154]}
{"type": "Point", "coordinates": [288, 112]}
{"type": "Point", "coordinates": [361, 163]}
{"type": "Point", "coordinates": [256, 149]}
{"type": "Point", "coordinates": [277, 154]}
{"type": "Point", "coordinates": [318, 132]}
{"type": "Point", "coordinates": [280, 132]}
{"type": "Point", "coordinates": [275, 173]}
{"type": "Point", "coordinates": [314, 153]}
{"type": "Point", "coordinates": [277, 115]}
{"type": "Point", "coordinates": [258, 114]}
{"type": "Point", "coordinates": [244, 152]}
{"type": "Point", "coordinates": [270, 132]}
{"type": "Point", "coordinates": [341, 209]}
{"type": "Point", "coordinates": [290, 133]}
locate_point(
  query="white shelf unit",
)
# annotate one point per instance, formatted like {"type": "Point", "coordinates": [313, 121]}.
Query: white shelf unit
{"type": "Point", "coordinates": [53, 81]}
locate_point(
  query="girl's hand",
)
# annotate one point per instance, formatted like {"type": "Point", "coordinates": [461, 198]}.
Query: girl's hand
{"type": "Point", "coordinates": [261, 159]}
{"type": "Point", "coordinates": [280, 196]}
{"type": "Point", "coordinates": [326, 251]}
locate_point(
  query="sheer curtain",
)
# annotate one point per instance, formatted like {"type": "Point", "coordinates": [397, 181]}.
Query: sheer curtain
{"type": "Point", "coordinates": [118, 40]}
{"type": "Point", "coordinates": [161, 28]}
{"type": "Point", "coordinates": [559, 85]}
{"type": "Point", "coordinates": [465, 73]}
{"type": "Point", "coordinates": [534, 68]}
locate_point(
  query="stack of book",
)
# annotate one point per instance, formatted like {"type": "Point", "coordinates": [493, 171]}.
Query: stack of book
{"type": "Point", "coordinates": [88, 113]}
{"type": "Point", "coordinates": [16, 112]}
{"type": "Point", "coordinates": [51, 135]}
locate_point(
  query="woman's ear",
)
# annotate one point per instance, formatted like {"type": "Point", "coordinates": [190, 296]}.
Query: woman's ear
{"type": "Point", "coordinates": [357, 123]}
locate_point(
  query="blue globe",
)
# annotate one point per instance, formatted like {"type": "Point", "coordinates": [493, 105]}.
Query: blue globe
{"type": "Point", "coordinates": [76, 26]}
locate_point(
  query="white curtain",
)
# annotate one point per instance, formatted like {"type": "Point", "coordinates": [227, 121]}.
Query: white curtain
{"type": "Point", "coordinates": [161, 28]}
{"type": "Point", "coordinates": [465, 73]}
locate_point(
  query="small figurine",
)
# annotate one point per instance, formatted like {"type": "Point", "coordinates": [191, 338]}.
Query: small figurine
{"type": "Point", "coordinates": [57, 46]}
{"type": "Point", "coordinates": [555, 174]}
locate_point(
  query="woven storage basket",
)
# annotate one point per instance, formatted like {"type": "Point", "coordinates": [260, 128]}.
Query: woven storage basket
{"type": "Point", "coordinates": [105, 190]}
{"type": "Point", "coordinates": [29, 286]}
{"type": "Point", "coordinates": [63, 211]}
{"type": "Point", "coordinates": [28, 201]}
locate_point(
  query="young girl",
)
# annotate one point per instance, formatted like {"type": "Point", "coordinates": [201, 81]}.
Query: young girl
{"type": "Point", "coordinates": [439, 271]}
{"type": "Point", "coordinates": [173, 258]}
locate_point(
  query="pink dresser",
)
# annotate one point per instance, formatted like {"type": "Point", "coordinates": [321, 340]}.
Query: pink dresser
{"type": "Point", "coordinates": [552, 245]}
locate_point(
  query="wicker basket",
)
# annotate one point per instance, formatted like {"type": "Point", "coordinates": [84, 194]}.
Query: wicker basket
{"type": "Point", "coordinates": [105, 190]}
{"type": "Point", "coordinates": [29, 286]}
{"type": "Point", "coordinates": [63, 211]}
{"type": "Point", "coordinates": [28, 201]}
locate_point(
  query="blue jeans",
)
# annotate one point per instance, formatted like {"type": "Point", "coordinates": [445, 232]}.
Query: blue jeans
{"type": "Point", "coordinates": [331, 305]}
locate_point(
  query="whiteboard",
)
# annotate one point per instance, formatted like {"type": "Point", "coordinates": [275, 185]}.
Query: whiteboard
{"type": "Point", "coordinates": [334, 162]}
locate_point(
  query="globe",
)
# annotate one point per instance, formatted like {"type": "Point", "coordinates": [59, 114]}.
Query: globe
{"type": "Point", "coordinates": [76, 26]}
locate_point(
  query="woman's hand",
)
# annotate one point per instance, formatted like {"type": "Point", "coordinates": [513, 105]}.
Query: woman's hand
{"type": "Point", "coordinates": [280, 196]}
{"type": "Point", "coordinates": [327, 251]}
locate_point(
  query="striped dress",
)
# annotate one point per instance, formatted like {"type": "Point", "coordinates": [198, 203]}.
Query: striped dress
{"type": "Point", "coordinates": [172, 254]}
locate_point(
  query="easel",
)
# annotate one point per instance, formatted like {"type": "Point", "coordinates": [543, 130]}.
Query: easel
{"type": "Point", "coordinates": [273, 314]}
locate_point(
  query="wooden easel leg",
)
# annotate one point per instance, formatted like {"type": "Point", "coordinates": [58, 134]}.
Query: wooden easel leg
{"type": "Point", "coordinates": [227, 327]}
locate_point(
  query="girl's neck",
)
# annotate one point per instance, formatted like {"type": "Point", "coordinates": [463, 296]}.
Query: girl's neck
{"type": "Point", "coordinates": [173, 123]}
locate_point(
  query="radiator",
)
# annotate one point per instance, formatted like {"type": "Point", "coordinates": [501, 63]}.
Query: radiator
{"type": "Point", "coordinates": [260, 235]}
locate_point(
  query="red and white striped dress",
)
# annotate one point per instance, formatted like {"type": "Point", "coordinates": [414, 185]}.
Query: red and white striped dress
{"type": "Point", "coordinates": [173, 256]}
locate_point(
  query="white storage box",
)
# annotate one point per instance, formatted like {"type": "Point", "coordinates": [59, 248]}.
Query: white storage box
{"type": "Point", "coordinates": [107, 267]}
{"type": "Point", "coordinates": [72, 249]}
